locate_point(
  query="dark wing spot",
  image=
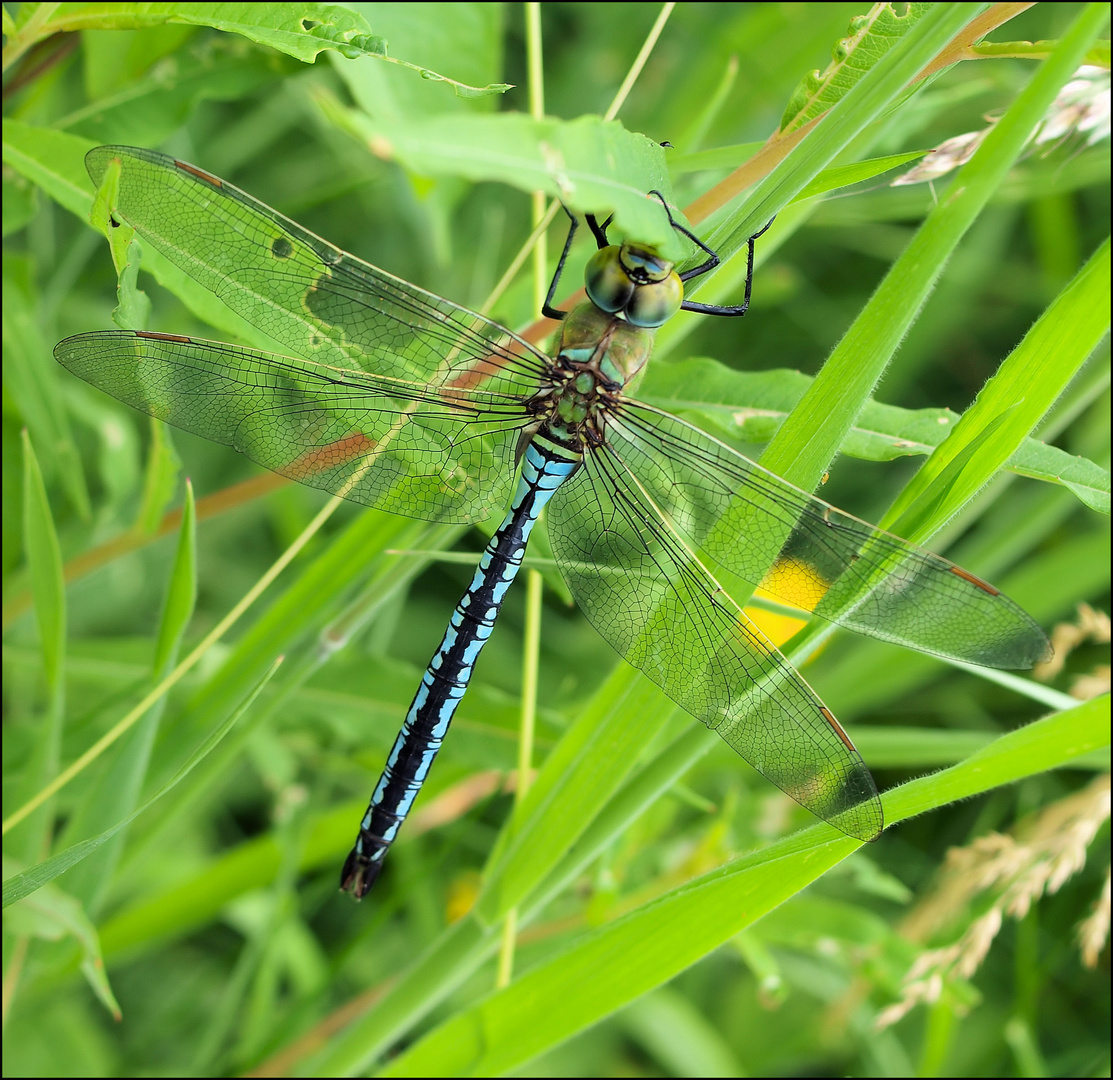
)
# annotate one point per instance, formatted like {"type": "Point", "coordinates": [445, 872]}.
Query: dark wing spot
{"type": "Point", "coordinates": [837, 727]}
{"type": "Point", "coordinates": [163, 337]}
{"type": "Point", "coordinates": [201, 175]}
{"type": "Point", "coordinates": [975, 581]}
{"type": "Point", "coordinates": [281, 248]}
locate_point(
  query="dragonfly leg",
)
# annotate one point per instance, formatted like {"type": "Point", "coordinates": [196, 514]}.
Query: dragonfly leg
{"type": "Point", "coordinates": [600, 234]}
{"type": "Point", "coordinates": [547, 308]}
{"type": "Point", "coordinates": [712, 257]}
{"type": "Point", "coordinates": [710, 263]}
{"type": "Point", "coordinates": [599, 231]}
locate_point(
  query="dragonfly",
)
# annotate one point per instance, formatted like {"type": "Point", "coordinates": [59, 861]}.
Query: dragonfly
{"type": "Point", "coordinates": [399, 399]}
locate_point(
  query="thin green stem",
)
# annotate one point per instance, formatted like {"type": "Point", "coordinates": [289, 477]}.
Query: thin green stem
{"type": "Point", "coordinates": [639, 62]}
{"type": "Point", "coordinates": [533, 593]}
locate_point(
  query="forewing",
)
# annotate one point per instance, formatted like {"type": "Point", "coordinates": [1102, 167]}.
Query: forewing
{"type": "Point", "coordinates": [434, 453]}
{"type": "Point", "coordinates": [748, 523]}
{"type": "Point", "coordinates": [316, 300]}
{"type": "Point", "coordinates": [663, 612]}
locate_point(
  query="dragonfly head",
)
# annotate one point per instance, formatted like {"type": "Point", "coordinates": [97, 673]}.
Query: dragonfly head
{"type": "Point", "coordinates": [635, 282]}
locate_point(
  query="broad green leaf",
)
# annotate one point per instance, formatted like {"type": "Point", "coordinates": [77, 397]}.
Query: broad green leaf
{"type": "Point", "coordinates": [53, 160]}
{"type": "Point", "coordinates": [20, 202]}
{"type": "Point", "coordinates": [592, 165]}
{"type": "Point", "coordinates": [462, 40]}
{"type": "Point", "coordinates": [720, 157]}
{"type": "Point", "coordinates": [301, 31]}
{"type": "Point", "coordinates": [749, 407]}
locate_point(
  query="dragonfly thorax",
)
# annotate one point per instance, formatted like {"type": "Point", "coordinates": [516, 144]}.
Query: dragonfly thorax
{"type": "Point", "coordinates": [600, 356]}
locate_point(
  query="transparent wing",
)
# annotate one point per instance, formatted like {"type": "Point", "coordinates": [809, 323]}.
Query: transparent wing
{"type": "Point", "coordinates": [316, 300]}
{"type": "Point", "coordinates": [664, 613]}
{"type": "Point", "coordinates": [748, 523]}
{"type": "Point", "coordinates": [440, 453]}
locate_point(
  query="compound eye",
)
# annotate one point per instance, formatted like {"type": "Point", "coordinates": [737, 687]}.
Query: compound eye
{"type": "Point", "coordinates": [608, 285]}
{"type": "Point", "coordinates": [653, 305]}
{"type": "Point", "coordinates": [643, 264]}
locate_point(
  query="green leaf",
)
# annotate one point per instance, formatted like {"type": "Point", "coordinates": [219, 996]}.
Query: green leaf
{"type": "Point", "coordinates": [160, 478]}
{"type": "Point", "coordinates": [53, 160]}
{"type": "Point", "coordinates": [869, 38]}
{"type": "Point", "coordinates": [181, 592]}
{"type": "Point", "coordinates": [1098, 55]}
{"type": "Point", "coordinates": [811, 436]}
{"type": "Point", "coordinates": [23, 884]}
{"type": "Point", "coordinates": [592, 165]}
{"type": "Point", "coordinates": [20, 202]}
{"type": "Point", "coordinates": [743, 407]}
{"type": "Point", "coordinates": [44, 565]}
{"type": "Point", "coordinates": [44, 559]}
{"type": "Point", "coordinates": [1011, 403]}
{"type": "Point", "coordinates": [94, 833]}
{"type": "Point", "coordinates": [620, 962]}
{"type": "Point", "coordinates": [33, 385]}
{"type": "Point", "coordinates": [148, 110]}
{"type": "Point", "coordinates": [844, 175]}
{"type": "Point", "coordinates": [720, 157]}
{"type": "Point", "coordinates": [302, 31]}
{"type": "Point", "coordinates": [52, 915]}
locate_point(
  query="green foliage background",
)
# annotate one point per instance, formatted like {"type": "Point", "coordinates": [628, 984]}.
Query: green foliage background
{"type": "Point", "coordinates": [212, 921]}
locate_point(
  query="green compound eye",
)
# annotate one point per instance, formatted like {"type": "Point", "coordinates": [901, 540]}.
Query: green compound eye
{"type": "Point", "coordinates": [607, 284]}
{"type": "Point", "coordinates": [647, 304]}
{"type": "Point", "coordinates": [654, 304]}
{"type": "Point", "coordinates": [643, 264]}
